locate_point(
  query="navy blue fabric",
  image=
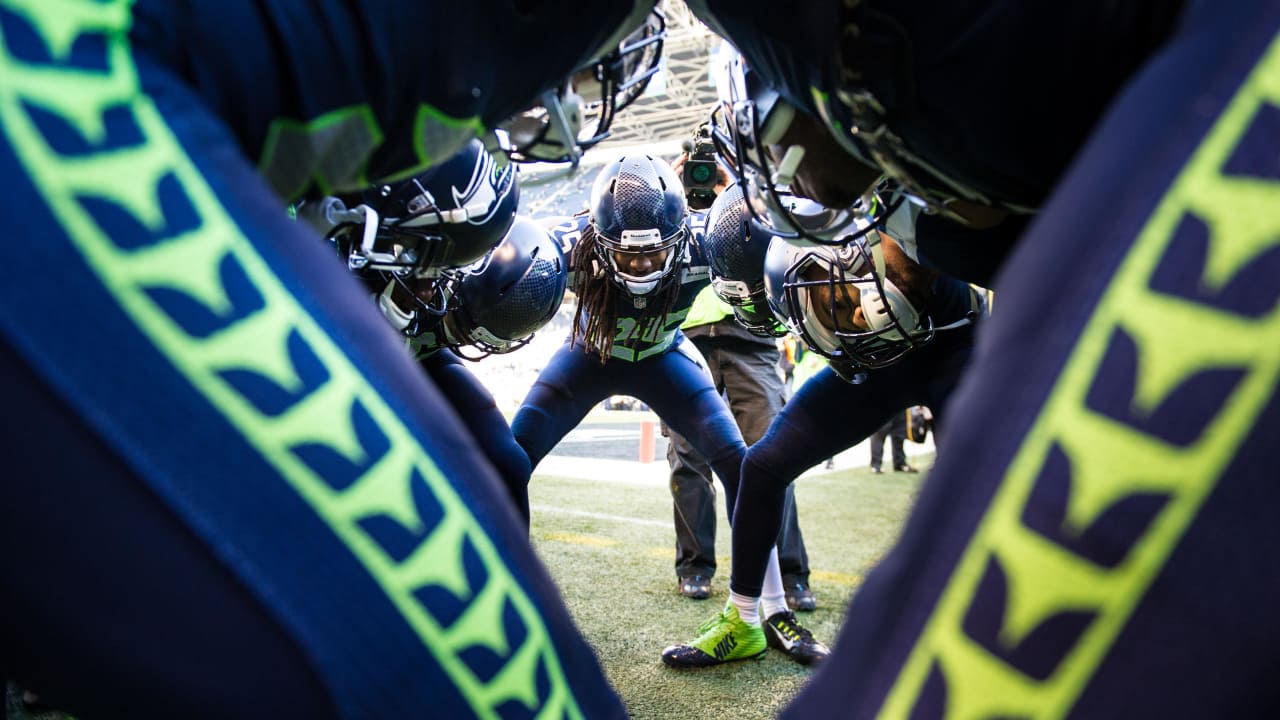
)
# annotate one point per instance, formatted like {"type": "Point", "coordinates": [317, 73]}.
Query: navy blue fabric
{"type": "Point", "coordinates": [679, 391]}
{"type": "Point", "coordinates": [476, 408]}
{"type": "Point", "coordinates": [252, 62]}
{"type": "Point", "coordinates": [804, 434]}
{"type": "Point", "coordinates": [111, 605]}
{"type": "Point", "coordinates": [273, 589]}
{"type": "Point", "coordinates": [1203, 638]}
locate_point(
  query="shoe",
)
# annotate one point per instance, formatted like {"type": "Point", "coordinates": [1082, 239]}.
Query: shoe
{"type": "Point", "coordinates": [784, 632]}
{"type": "Point", "coordinates": [800, 598]}
{"type": "Point", "coordinates": [876, 470]}
{"type": "Point", "coordinates": [905, 469]}
{"type": "Point", "coordinates": [721, 639]}
{"type": "Point", "coordinates": [697, 587]}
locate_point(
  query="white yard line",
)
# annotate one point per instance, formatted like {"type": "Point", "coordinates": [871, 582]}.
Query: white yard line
{"type": "Point", "coordinates": [601, 516]}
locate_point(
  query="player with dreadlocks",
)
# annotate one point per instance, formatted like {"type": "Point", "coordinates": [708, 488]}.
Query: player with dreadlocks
{"type": "Point", "coordinates": [636, 265]}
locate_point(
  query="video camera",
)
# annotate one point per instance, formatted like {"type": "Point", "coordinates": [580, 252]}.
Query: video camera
{"type": "Point", "coordinates": [700, 169]}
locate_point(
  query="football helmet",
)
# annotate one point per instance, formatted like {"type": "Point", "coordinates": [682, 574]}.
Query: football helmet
{"type": "Point", "coordinates": [746, 125]}
{"type": "Point", "coordinates": [447, 216]}
{"type": "Point", "coordinates": [862, 321]}
{"type": "Point", "coordinates": [502, 299]}
{"type": "Point", "coordinates": [735, 245]}
{"type": "Point", "coordinates": [573, 117]}
{"type": "Point", "coordinates": [638, 208]}
{"type": "Point", "coordinates": [857, 122]}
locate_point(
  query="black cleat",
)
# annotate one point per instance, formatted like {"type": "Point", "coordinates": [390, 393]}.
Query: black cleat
{"type": "Point", "coordinates": [784, 632]}
{"type": "Point", "coordinates": [800, 598]}
{"type": "Point", "coordinates": [697, 587]}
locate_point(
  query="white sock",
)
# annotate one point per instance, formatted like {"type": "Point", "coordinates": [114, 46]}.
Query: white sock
{"type": "Point", "coordinates": [746, 607]}
{"type": "Point", "coordinates": [773, 598]}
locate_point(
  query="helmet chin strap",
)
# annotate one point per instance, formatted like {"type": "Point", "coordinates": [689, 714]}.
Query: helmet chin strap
{"type": "Point", "coordinates": [786, 172]}
{"type": "Point", "coordinates": [877, 254]}
{"type": "Point", "coordinates": [890, 297]}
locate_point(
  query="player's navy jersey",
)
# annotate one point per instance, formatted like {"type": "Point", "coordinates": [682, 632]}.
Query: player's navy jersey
{"type": "Point", "coordinates": [319, 93]}
{"type": "Point", "coordinates": [972, 88]}
{"type": "Point", "coordinates": [636, 337]}
{"type": "Point", "coordinates": [256, 430]}
{"type": "Point", "coordinates": [953, 300]}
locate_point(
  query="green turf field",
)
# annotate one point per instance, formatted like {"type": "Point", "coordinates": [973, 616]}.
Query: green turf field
{"type": "Point", "coordinates": [615, 567]}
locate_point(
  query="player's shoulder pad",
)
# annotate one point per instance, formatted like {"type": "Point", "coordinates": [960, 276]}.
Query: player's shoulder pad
{"type": "Point", "coordinates": [695, 259]}
{"type": "Point", "coordinates": [697, 221]}
{"type": "Point", "coordinates": [696, 268]}
{"type": "Point", "coordinates": [566, 230]}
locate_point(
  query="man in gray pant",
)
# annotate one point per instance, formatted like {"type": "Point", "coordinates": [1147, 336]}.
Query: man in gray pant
{"type": "Point", "coordinates": [745, 368]}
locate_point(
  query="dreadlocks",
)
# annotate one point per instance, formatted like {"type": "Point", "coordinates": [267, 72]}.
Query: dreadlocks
{"type": "Point", "coordinates": [598, 297]}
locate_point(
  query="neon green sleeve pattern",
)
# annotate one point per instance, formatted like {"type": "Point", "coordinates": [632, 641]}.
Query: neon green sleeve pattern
{"type": "Point", "coordinates": [188, 262]}
{"type": "Point", "coordinates": [1175, 338]}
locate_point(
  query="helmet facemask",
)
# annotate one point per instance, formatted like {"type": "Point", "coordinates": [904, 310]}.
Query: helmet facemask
{"type": "Point", "coordinates": [845, 307]}
{"type": "Point", "coordinates": [641, 242]}
{"type": "Point", "coordinates": [433, 299]}
{"type": "Point", "coordinates": [579, 113]}
{"type": "Point", "coordinates": [405, 229]}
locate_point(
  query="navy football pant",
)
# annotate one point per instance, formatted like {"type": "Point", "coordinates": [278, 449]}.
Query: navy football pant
{"type": "Point", "coordinates": [824, 417]}
{"type": "Point", "coordinates": [475, 406]}
{"type": "Point", "coordinates": [747, 374]}
{"type": "Point", "coordinates": [678, 390]}
{"type": "Point", "coordinates": [1097, 538]}
{"type": "Point", "coordinates": [230, 491]}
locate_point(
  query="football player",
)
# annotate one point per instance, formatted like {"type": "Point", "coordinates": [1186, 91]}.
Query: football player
{"type": "Point", "coordinates": [249, 500]}
{"type": "Point", "coordinates": [637, 264]}
{"type": "Point", "coordinates": [490, 307]}
{"type": "Point", "coordinates": [1108, 449]}
{"type": "Point", "coordinates": [415, 244]}
{"type": "Point", "coordinates": [895, 334]}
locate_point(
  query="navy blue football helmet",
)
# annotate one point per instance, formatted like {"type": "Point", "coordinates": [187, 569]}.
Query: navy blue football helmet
{"type": "Point", "coordinates": [578, 114]}
{"type": "Point", "coordinates": [416, 233]}
{"type": "Point", "coordinates": [747, 127]}
{"type": "Point", "coordinates": [502, 299]}
{"type": "Point", "coordinates": [638, 207]}
{"type": "Point", "coordinates": [854, 277]}
{"type": "Point", "coordinates": [735, 246]}
{"type": "Point", "coordinates": [448, 216]}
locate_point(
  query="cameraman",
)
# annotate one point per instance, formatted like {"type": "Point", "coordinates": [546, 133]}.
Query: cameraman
{"type": "Point", "coordinates": [746, 369]}
{"type": "Point", "coordinates": [699, 169]}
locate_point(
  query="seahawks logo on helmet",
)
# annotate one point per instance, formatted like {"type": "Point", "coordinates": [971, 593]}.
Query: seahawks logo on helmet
{"type": "Point", "coordinates": [486, 190]}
